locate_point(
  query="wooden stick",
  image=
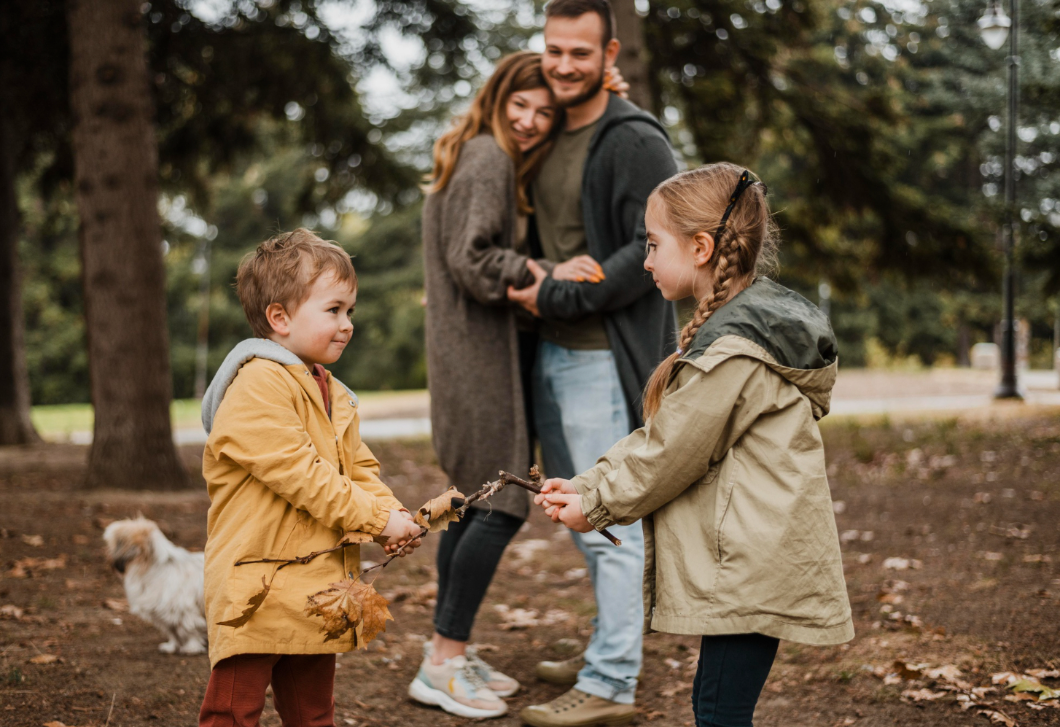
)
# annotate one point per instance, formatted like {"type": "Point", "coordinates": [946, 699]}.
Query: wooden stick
{"type": "Point", "coordinates": [509, 479]}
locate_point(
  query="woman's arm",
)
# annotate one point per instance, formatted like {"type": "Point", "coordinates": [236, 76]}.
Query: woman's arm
{"type": "Point", "coordinates": [479, 200]}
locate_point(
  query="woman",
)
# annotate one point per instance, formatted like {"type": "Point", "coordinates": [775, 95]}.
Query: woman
{"type": "Point", "coordinates": [479, 355]}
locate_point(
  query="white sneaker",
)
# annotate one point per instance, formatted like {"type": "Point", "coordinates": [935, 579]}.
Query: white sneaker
{"type": "Point", "coordinates": [499, 683]}
{"type": "Point", "coordinates": [455, 686]}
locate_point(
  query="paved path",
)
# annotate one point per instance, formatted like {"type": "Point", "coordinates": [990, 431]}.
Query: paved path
{"type": "Point", "coordinates": [858, 392]}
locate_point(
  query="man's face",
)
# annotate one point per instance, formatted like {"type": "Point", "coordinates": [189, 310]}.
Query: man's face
{"type": "Point", "coordinates": [575, 58]}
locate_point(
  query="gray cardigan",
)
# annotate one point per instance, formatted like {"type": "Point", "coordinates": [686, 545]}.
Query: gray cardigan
{"type": "Point", "coordinates": [629, 155]}
{"type": "Point", "coordinates": [478, 415]}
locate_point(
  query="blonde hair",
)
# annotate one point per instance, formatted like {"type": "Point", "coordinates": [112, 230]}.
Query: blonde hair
{"type": "Point", "coordinates": [692, 202]}
{"type": "Point", "coordinates": [516, 72]}
{"type": "Point", "coordinates": [283, 269]}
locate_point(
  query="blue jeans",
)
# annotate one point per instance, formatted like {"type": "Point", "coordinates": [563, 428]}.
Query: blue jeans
{"type": "Point", "coordinates": [580, 413]}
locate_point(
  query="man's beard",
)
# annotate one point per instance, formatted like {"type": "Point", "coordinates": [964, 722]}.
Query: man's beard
{"type": "Point", "coordinates": [581, 98]}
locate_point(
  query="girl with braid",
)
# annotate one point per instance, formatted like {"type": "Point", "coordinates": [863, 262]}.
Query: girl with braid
{"type": "Point", "coordinates": [728, 473]}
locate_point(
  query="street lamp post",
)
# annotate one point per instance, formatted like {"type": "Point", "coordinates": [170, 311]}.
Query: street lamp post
{"type": "Point", "coordinates": [994, 26]}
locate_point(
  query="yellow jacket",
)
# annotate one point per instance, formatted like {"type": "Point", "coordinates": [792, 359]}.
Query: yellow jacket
{"type": "Point", "coordinates": [284, 480]}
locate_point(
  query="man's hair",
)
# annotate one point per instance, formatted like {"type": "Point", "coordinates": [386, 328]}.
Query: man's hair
{"type": "Point", "coordinates": [282, 270]}
{"type": "Point", "coordinates": [578, 8]}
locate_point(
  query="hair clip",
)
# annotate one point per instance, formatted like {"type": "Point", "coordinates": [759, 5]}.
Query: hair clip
{"type": "Point", "coordinates": [741, 187]}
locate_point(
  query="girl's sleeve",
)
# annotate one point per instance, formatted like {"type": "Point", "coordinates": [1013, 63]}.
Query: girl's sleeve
{"type": "Point", "coordinates": [476, 205]}
{"type": "Point", "coordinates": [695, 425]}
{"type": "Point", "coordinates": [275, 449]}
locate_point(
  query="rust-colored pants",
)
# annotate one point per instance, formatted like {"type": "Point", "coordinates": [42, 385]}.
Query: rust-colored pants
{"type": "Point", "coordinates": [303, 690]}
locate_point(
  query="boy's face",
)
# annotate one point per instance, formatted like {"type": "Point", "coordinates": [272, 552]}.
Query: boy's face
{"type": "Point", "coordinates": [319, 329]}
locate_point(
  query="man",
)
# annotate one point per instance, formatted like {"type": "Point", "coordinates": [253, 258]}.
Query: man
{"type": "Point", "coordinates": [600, 339]}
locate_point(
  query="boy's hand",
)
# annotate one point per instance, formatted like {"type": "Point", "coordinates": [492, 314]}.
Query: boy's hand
{"type": "Point", "coordinates": [566, 509]}
{"type": "Point", "coordinates": [400, 531]}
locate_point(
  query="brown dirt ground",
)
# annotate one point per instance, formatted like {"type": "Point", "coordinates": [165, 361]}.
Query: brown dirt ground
{"type": "Point", "coordinates": [998, 494]}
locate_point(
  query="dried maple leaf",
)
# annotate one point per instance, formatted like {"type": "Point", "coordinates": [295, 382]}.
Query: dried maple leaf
{"type": "Point", "coordinates": [44, 659]}
{"type": "Point", "coordinates": [355, 537]}
{"type": "Point", "coordinates": [438, 512]}
{"type": "Point", "coordinates": [252, 605]}
{"type": "Point", "coordinates": [346, 605]}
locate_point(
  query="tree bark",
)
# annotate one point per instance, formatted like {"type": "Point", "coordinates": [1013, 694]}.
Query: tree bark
{"type": "Point", "coordinates": [116, 182]}
{"type": "Point", "coordinates": [16, 427]}
{"type": "Point", "coordinates": [631, 60]}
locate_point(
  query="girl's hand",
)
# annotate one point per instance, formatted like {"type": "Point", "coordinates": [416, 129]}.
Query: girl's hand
{"type": "Point", "coordinates": [579, 269]}
{"type": "Point", "coordinates": [554, 485]}
{"type": "Point", "coordinates": [400, 531]}
{"type": "Point", "coordinates": [567, 509]}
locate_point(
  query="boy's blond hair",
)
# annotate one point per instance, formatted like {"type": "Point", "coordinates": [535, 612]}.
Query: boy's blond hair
{"type": "Point", "coordinates": [282, 270]}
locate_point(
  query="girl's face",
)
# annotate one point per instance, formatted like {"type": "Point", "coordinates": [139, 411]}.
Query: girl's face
{"type": "Point", "coordinates": [678, 266]}
{"type": "Point", "coordinates": [530, 115]}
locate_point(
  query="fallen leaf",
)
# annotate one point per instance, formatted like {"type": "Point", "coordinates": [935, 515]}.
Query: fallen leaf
{"type": "Point", "coordinates": [116, 604]}
{"type": "Point", "coordinates": [672, 690]}
{"type": "Point", "coordinates": [54, 724]}
{"type": "Point", "coordinates": [438, 512]}
{"type": "Point", "coordinates": [26, 567]}
{"type": "Point", "coordinates": [902, 564]}
{"type": "Point", "coordinates": [346, 605]}
{"type": "Point", "coordinates": [524, 549]}
{"type": "Point", "coordinates": [36, 541]}
{"type": "Point", "coordinates": [355, 537]}
{"type": "Point", "coordinates": [1033, 685]}
{"type": "Point", "coordinates": [44, 659]}
{"type": "Point", "coordinates": [923, 695]}
{"type": "Point", "coordinates": [948, 672]}
{"type": "Point", "coordinates": [252, 605]}
{"type": "Point", "coordinates": [998, 717]}
{"type": "Point", "coordinates": [1044, 673]}
{"type": "Point", "coordinates": [11, 611]}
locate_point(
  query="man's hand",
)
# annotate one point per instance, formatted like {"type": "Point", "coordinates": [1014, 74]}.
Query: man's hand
{"type": "Point", "coordinates": [579, 270]}
{"type": "Point", "coordinates": [527, 297]}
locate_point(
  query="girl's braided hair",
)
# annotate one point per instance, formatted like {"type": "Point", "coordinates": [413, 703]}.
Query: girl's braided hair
{"type": "Point", "coordinates": [692, 202]}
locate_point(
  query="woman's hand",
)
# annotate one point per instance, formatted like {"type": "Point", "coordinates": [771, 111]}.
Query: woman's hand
{"type": "Point", "coordinates": [566, 509]}
{"type": "Point", "coordinates": [614, 82]}
{"type": "Point", "coordinates": [579, 269]}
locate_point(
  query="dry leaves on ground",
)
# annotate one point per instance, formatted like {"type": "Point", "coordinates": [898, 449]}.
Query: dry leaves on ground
{"type": "Point", "coordinates": [438, 512]}
{"type": "Point", "coordinates": [116, 604]}
{"type": "Point", "coordinates": [10, 611]}
{"type": "Point", "coordinates": [524, 618]}
{"type": "Point", "coordinates": [36, 541]}
{"type": "Point", "coordinates": [44, 659]}
{"type": "Point", "coordinates": [27, 567]}
{"type": "Point", "coordinates": [346, 605]}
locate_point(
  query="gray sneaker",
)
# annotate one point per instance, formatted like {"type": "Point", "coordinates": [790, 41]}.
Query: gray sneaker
{"type": "Point", "coordinates": [500, 683]}
{"type": "Point", "coordinates": [457, 688]}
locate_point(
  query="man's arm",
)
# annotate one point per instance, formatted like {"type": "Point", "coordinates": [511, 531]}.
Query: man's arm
{"type": "Point", "coordinates": [647, 160]}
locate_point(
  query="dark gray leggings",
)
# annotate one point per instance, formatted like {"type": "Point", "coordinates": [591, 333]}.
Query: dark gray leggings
{"type": "Point", "coordinates": [467, 558]}
{"type": "Point", "coordinates": [732, 671]}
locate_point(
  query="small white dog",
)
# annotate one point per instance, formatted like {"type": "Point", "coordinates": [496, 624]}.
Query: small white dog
{"type": "Point", "coordinates": [163, 582]}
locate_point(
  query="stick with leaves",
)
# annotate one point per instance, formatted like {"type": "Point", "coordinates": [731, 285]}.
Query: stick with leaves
{"type": "Point", "coordinates": [351, 603]}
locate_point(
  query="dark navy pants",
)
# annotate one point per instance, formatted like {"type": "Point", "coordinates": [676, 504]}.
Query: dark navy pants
{"type": "Point", "coordinates": [732, 671]}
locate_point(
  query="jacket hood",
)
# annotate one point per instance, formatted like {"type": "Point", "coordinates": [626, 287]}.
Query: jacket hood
{"type": "Point", "coordinates": [786, 332]}
{"type": "Point", "coordinates": [619, 111]}
{"type": "Point", "coordinates": [226, 374]}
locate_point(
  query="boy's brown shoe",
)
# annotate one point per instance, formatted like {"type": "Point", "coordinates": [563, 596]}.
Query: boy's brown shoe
{"type": "Point", "coordinates": [560, 672]}
{"type": "Point", "coordinates": [578, 709]}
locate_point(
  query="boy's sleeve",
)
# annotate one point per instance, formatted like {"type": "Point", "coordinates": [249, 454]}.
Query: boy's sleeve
{"type": "Point", "coordinates": [274, 447]}
{"type": "Point", "coordinates": [705, 411]}
{"type": "Point", "coordinates": [364, 471]}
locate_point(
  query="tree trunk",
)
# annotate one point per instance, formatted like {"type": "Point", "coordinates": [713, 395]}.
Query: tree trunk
{"type": "Point", "coordinates": [116, 179]}
{"type": "Point", "coordinates": [15, 424]}
{"type": "Point", "coordinates": [631, 61]}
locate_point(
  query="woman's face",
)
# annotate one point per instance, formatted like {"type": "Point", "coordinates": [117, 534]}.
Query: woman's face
{"type": "Point", "coordinates": [530, 116]}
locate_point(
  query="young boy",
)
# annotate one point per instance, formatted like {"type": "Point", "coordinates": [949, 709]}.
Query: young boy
{"type": "Point", "coordinates": [287, 474]}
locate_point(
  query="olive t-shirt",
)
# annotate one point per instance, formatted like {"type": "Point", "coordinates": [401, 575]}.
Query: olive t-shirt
{"type": "Point", "coordinates": [561, 227]}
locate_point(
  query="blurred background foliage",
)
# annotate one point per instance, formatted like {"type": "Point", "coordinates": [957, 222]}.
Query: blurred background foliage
{"type": "Point", "coordinates": [878, 127]}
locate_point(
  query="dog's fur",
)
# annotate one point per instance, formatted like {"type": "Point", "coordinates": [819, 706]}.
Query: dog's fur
{"type": "Point", "coordinates": [163, 582]}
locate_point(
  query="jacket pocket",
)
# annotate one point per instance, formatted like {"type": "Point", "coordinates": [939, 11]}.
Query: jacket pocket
{"type": "Point", "coordinates": [729, 469]}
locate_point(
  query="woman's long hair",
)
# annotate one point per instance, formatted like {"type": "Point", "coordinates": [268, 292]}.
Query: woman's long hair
{"type": "Point", "coordinates": [517, 72]}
